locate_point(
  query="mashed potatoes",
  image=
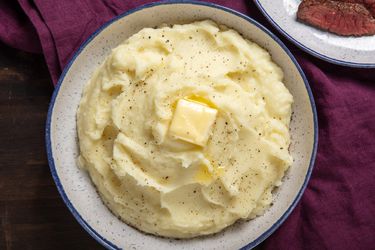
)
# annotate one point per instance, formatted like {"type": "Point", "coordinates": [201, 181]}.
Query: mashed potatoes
{"type": "Point", "coordinates": [166, 185]}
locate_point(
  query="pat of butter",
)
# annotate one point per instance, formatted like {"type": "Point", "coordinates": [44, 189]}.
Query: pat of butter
{"type": "Point", "coordinates": [192, 122]}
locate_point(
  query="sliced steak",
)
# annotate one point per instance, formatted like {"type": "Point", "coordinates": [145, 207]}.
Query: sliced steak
{"type": "Point", "coordinates": [369, 4]}
{"type": "Point", "coordinates": [343, 17]}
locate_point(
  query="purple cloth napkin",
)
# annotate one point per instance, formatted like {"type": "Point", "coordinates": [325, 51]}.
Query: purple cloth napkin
{"type": "Point", "coordinates": [337, 210]}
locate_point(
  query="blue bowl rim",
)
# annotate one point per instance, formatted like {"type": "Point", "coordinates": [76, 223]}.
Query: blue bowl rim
{"type": "Point", "coordinates": [309, 50]}
{"type": "Point", "coordinates": [106, 243]}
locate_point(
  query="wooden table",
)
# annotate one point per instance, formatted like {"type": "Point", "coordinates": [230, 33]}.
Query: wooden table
{"type": "Point", "coordinates": [32, 214]}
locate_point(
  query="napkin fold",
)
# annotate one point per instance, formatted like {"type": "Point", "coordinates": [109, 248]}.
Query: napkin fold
{"type": "Point", "coordinates": [337, 210]}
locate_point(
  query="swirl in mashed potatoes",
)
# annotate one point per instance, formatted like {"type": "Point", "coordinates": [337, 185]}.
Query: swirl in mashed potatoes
{"type": "Point", "coordinates": [168, 186]}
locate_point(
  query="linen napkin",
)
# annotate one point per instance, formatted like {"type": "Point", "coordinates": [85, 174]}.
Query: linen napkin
{"type": "Point", "coordinates": [337, 210]}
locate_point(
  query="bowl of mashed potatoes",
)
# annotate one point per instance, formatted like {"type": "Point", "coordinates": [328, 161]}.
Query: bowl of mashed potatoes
{"type": "Point", "coordinates": [181, 125]}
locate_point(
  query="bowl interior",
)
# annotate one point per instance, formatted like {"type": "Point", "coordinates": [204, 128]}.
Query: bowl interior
{"type": "Point", "coordinates": [75, 185]}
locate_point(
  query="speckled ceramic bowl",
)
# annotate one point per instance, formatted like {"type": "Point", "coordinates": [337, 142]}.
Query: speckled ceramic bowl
{"type": "Point", "coordinates": [74, 184]}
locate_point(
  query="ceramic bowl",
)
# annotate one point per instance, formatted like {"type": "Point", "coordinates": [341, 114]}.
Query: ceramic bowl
{"type": "Point", "coordinates": [74, 184]}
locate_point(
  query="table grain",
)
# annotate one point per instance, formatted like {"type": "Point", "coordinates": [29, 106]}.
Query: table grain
{"type": "Point", "coordinates": [32, 214]}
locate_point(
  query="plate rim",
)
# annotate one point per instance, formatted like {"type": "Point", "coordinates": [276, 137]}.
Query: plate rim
{"type": "Point", "coordinates": [98, 237]}
{"type": "Point", "coordinates": [307, 49]}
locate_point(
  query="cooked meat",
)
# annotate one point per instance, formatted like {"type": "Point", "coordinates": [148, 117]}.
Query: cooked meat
{"type": "Point", "coordinates": [369, 4]}
{"type": "Point", "coordinates": [343, 17]}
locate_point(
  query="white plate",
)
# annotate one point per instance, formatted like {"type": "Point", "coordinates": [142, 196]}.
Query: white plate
{"type": "Point", "coordinates": [74, 184]}
{"type": "Point", "coordinates": [356, 52]}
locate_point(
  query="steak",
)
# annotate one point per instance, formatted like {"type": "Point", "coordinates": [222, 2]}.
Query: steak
{"type": "Point", "coordinates": [369, 4]}
{"type": "Point", "coordinates": [342, 17]}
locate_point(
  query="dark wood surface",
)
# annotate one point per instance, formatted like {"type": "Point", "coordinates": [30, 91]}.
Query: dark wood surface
{"type": "Point", "coordinates": [32, 214]}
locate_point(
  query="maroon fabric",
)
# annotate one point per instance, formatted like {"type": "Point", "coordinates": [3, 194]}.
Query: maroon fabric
{"type": "Point", "coordinates": [16, 29]}
{"type": "Point", "coordinates": [337, 210]}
